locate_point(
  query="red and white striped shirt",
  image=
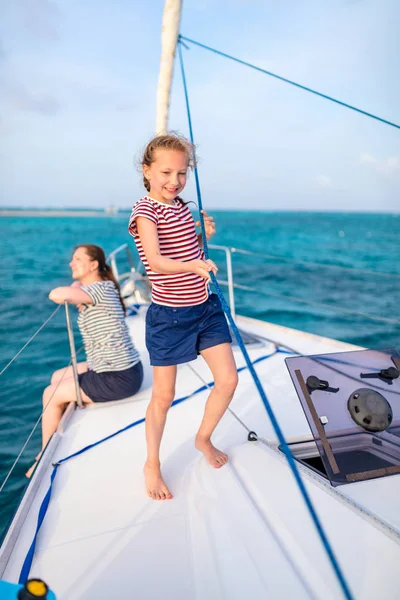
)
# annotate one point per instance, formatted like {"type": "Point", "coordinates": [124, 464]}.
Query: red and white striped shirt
{"type": "Point", "coordinates": [178, 240]}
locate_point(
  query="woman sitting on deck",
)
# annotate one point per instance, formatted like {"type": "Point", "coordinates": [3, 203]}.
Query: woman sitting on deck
{"type": "Point", "coordinates": [113, 370]}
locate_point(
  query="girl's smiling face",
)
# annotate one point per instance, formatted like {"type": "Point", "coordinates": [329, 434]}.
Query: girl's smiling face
{"type": "Point", "coordinates": [167, 175]}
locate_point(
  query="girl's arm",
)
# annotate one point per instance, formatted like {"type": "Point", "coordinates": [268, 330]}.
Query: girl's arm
{"type": "Point", "coordinates": [147, 231]}
{"type": "Point", "coordinates": [73, 295]}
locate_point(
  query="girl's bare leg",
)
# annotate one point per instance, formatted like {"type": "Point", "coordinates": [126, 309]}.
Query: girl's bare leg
{"type": "Point", "coordinates": [55, 400]}
{"type": "Point", "coordinates": [222, 364]}
{"type": "Point", "coordinates": [156, 415]}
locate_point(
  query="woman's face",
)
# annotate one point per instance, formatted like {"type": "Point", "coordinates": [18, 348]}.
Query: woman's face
{"type": "Point", "coordinates": [82, 265]}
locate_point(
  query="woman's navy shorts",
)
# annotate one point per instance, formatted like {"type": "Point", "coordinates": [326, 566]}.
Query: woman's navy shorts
{"type": "Point", "coordinates": [177, 335]}
{"type": "Point", "coordinates": [111, 385]}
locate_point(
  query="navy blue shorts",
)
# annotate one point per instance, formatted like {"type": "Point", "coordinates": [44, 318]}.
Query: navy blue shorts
{"type": "Point", "coordinates": [177, 335]}
{"type": "Point", "coordinates": [111, 385]}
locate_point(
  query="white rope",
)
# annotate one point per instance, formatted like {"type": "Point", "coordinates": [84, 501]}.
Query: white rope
{"type": "Point", "coordinates": [30, 339]}
{"type": "Point", "coordinates": [34, 427]}
{"type": "Point", "coordinates": [315, 264]}
{"type": "Point", "coordinates": [348, 311]}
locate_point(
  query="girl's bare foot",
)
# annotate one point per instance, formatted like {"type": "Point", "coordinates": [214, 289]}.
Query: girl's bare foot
{"type": "Point", "coordinates": [215, 457]}
{"type": "Point", "coordinates": [155, 485]}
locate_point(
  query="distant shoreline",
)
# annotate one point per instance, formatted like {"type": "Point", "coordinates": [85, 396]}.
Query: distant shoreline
{"type": "Point", "coordinates": [58, 213]}
{"type": "Point", "coordinates": [123, 212]}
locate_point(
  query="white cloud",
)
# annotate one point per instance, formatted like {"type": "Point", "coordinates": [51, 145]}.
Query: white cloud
{"type": "Point", "coordinates": [388, 166]}
{"type": "Point", "coordinates": [323, 181]}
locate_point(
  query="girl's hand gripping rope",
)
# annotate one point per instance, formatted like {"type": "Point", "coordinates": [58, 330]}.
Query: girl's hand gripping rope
{"type": "Point", "coordinates": [209, 225]}
{"type": "Point", "coordinates": [203, 268]}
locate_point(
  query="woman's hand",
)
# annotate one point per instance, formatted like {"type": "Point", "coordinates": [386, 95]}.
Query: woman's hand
{"type": "Point", "coordinates": [209, 225]}
{"type": "Point", "coordinates": [203, 268]}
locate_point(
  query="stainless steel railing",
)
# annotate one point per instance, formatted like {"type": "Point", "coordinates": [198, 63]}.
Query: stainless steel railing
{"type": "Point", "coordinates": [285, 297]}
{"type": "Point", "coordinates": [73, 355]}
{"type": "Point", "coordinates": [112, 259]}
{"type": "Point", "coordinates": [229, 272]}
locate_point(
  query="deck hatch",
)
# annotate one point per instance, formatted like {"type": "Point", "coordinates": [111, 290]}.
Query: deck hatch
{"type": "Point", "coordinates": [355, 420]}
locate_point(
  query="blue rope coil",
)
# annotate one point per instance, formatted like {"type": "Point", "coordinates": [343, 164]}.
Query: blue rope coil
{"type": "Point", "coordinates": [284, 446]}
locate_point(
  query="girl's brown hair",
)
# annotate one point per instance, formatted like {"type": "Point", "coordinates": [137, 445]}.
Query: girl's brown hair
{"type": "Point", "coordinates": [104, 270]}
{"type": "Point", "coordinates": [170, 141]}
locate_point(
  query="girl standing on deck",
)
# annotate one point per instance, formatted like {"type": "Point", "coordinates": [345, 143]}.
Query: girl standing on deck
{"type": "Point", "coordinates": [184, 319]}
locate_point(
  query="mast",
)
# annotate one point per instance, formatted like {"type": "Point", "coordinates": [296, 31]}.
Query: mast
{"type": "Point", "coordinates": [169, 39]}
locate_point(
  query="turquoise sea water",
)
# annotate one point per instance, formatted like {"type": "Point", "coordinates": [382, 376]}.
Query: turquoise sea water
{"type": "Point", "coordinates": [35, 255]}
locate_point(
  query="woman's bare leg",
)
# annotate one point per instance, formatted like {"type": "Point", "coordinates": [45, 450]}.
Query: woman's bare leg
{"type": "Point", "coordinates": [55, 400]}
{"type": "Point", "coordinates": [66, 372]}
{"type": "Point", "coordinates": [222, 364]}
{"type": "Point", "coordinates": [156, 415]}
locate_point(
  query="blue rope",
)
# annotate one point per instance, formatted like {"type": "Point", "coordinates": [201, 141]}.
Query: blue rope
{"type": "Point", "coordinates": [298, 85]}
{"type": "Point", "coordinates": [284, 446]}
{"type": "Point", "coordinates": [26, 567]}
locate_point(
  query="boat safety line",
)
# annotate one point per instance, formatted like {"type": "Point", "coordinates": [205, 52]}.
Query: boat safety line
{"type": "Point", "coordinates": [284, 445]}
{"type": "Point", "coordinates": [315, 264]}
{"type": "Point", "coordinates": [30, 339]}
{"type": "Point", "coordinates": [35, 426]}
{"type": "Point", "coordinates": [339, 309]}
{"type": "Point", "coordinates": [298, 85]}
{"type": "Point", "coordinates": [24, 574]}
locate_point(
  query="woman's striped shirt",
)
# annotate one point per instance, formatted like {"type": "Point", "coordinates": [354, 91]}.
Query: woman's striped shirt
{"type": "Point", "coordinates": [106, 338]}
{"type": "Point", "coordinates": [177, 240]}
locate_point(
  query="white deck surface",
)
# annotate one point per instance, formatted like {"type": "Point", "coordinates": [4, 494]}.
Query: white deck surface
{"type": "Point", "coordinates": [234, 533]}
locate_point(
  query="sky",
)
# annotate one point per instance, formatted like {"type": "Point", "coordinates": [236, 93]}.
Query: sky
{"type": "Point", "coordinates": [78, 87]}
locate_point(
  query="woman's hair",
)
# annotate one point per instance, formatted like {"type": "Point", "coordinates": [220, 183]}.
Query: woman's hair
{"type": "Point", "coordinates": [170, 141]}
{"type": "Point", "coordinates": [104, 270]}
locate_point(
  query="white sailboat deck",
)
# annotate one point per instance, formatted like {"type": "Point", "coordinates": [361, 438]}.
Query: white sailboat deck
{"type": "Point", "coordinates": [228, 533]}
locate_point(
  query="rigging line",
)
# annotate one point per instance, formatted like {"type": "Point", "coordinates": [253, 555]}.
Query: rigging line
{"type": "Point", "coordinates": [298, 85]}
{"type": "Point", "coordinates": [30, 339]}
{"type": "Point", "coordinates": [196, 174]}
{"type": "Point", "coordinates": [275, 424]}
{"type": "Point", "coordinates": [348, 311]}
{"type": "Point", "coordinates": [315, 264]}
{"type": "Point", "coordinates": [35, 427]}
